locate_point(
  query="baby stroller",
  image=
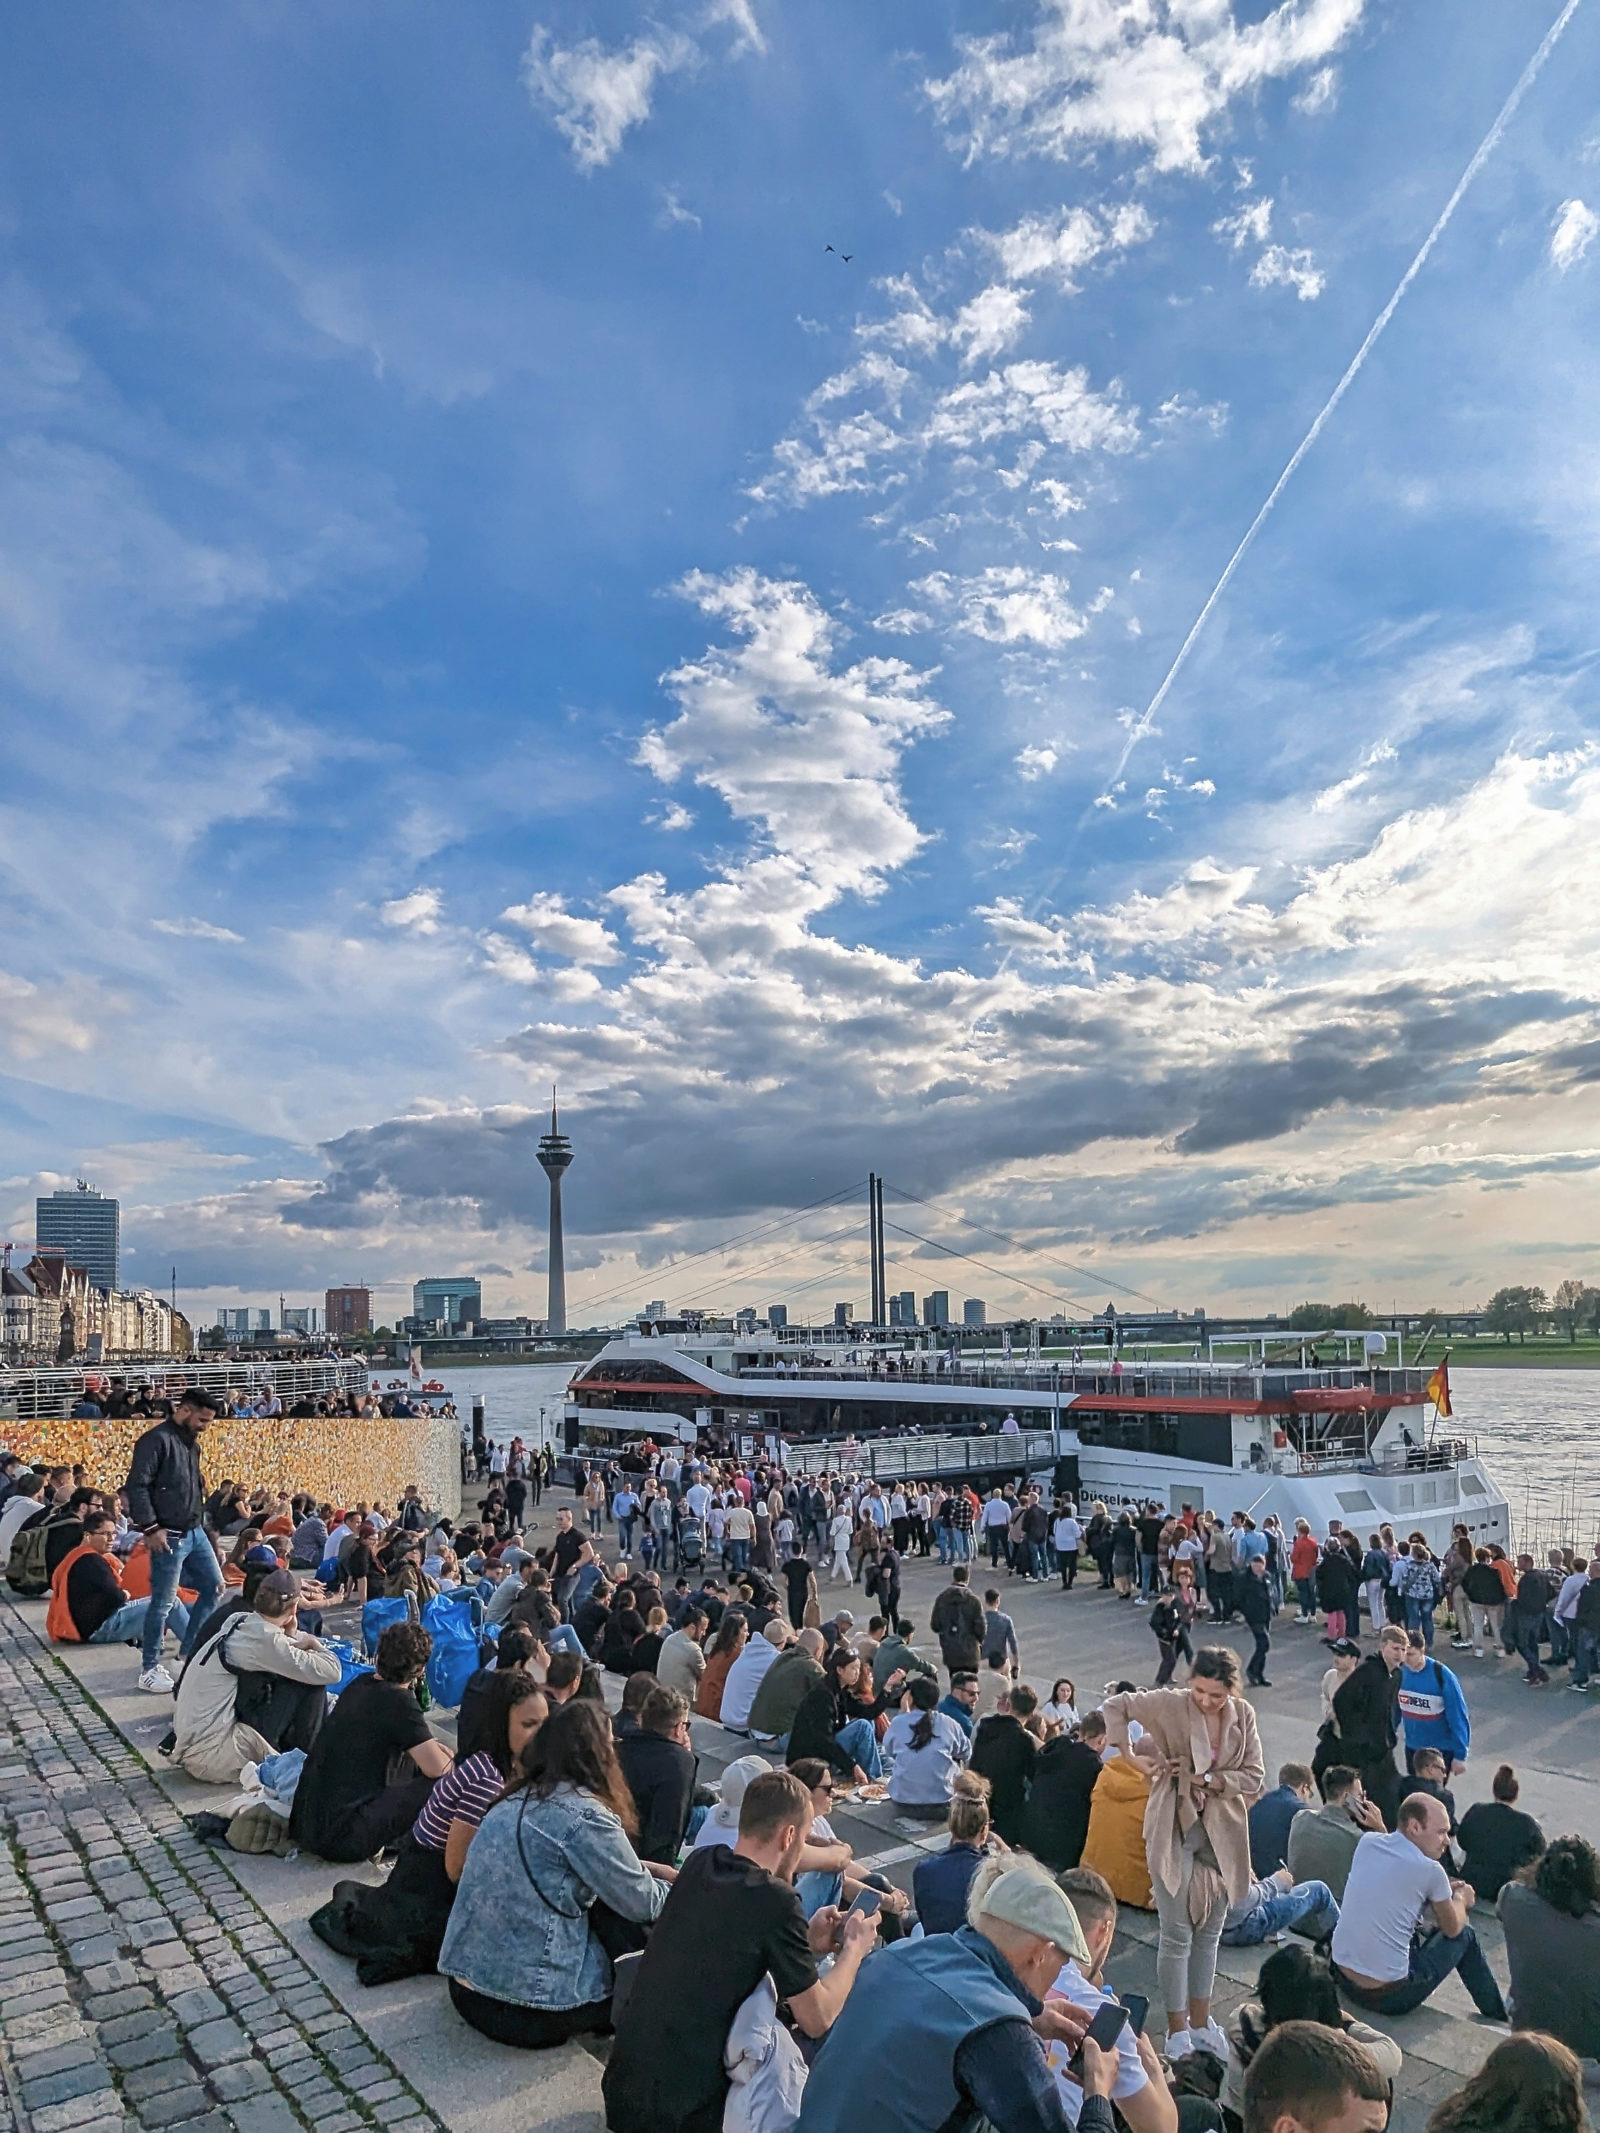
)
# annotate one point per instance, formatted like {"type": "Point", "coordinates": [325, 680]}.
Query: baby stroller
{"type": "Point", "coordinates": [691, 1544]}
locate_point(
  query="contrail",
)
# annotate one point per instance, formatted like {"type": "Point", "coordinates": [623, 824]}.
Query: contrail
{"type": "Point", "coordinates": [1486, 148]}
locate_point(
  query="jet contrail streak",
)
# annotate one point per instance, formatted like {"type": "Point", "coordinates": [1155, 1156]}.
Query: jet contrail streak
{"type": "Point", "coordinates": [1491, 140]}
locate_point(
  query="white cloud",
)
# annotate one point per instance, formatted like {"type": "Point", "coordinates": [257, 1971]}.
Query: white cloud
{"type": "Point", "coordinates": [1251, 224]}
{"type": "Point", "coordinates": [64, 1017]}
{"type": "Point", "coordinates": [1150, 76]}
{"type": "Point", "coordinates": [591, 95]}
{"type": "Point", "coordinates": [558, 931]}
{"type": "Point", "coordinates": [195, 929]}
{"type": "Point", "coordinates": [1297, 269]}
{"type": "Point", "coordinates": [1334, 796]}
{"type": "Point", "coordinates": [1007, 604]}
{"type": "Point", "coordinates": [1320, 93]}
{"type": "Point", "coordinates": [1572, 235]}
{"type": "Point", "coordinates": [806, 755]}
{"type": "Point", "coordinates": [990, 323]}
{"type": "Point", "coordinates": [674, 816]}
{"type": "Point", "coordinates": [1056, 247]}
{"type": "Point", "coordinates": [417, 913]}
{"type": "Point", "coordinates": [508, 961]}
{"type": "Point", "coordinates": [1036, 761]}
{"type": "Point", "coordinates": [674, 215]}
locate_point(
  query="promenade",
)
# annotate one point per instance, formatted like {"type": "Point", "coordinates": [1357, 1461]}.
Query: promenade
{"type": "Point", "coordinates": [147, 1980]}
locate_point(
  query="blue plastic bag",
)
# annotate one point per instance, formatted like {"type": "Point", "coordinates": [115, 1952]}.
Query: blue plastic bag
{"type": "Point", "coordinates": [454, 1658]}
{"type": "Point", "coordinates": [350, 1664]}
{"type": "Point", "coordinates": [376, 1617]}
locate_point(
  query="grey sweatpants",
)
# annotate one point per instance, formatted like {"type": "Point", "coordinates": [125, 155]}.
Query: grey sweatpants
{"type": "Point", "coordinates": [1186, 1959]}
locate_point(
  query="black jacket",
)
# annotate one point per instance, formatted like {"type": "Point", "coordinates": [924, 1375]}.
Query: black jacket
{"type": "Point", "coordinates": [164, 1480]}
{"type": "Point", "coordinates": [660, 1775]}
{"type": "Point", "coordinates": [1336, 1582]}
{"type": "Point", "coordinates": [1253, 1598]}
{"type": "Point", "coordinates": [1004, 1752]}
{"type": "Point", "coordinates": [1055, 1822]}
{"type": "Point", "coordinates": [957, 1622]}
{"type": "Point", "coordinates": [1365, 1708]}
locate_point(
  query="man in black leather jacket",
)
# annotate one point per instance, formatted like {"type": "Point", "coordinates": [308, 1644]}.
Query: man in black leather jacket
{"type": "Point", "coordinates": [166, 1501]}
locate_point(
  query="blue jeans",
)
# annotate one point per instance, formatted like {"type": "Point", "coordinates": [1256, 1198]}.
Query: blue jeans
{"type": "Point", "coordinates": [947, 1541]}
{"type": "Point", "coordinates": [564, 1638]}
{"type": "Point", "coordinates": [1419, 1615]}
{"type": "Point", "coordinates": [195, 1551]}
{"type": "Point", "coordinates": [1309, 1905]}
{"type": "Point", "coordinates": [128, 1623]}
{"type": "Point", "coordinates": [1147, 1576]}
{"type": "Point", "coordinates": [815, 1890]}
{"type": "Point", "coordinates": [625, 1535]}
{"type": "Point", "coordinates": [738, 1555]}
{"type": "Point", "coordinates": [1433, 1957]}
{"type": "Point", "coordinates": [859, 1740]}
{"type": "Point", "coordinates": [1585, 1656]}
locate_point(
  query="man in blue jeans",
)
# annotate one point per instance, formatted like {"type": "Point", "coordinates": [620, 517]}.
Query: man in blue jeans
{"type": "Point", "coordinates": [166, 1502]}
{"type": "Point", "coordinates": [1276, 1905]}
{"type": "Point", "coordinates": [1403, 1924]}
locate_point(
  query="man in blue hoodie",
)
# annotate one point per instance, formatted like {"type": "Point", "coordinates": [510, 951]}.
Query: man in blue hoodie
{"type": "Point", "coordinates": [1432, 1708]}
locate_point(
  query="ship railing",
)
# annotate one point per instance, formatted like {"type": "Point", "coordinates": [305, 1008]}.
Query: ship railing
{"type": "Point", "coordinates": [1351, 1457]}
{"type": "Point", "coordinates": [1170, 1381]}
{"type": "Point", "coordinates": [902, 1458]}
{"type": "Point", "coordinates": [48, 1394]}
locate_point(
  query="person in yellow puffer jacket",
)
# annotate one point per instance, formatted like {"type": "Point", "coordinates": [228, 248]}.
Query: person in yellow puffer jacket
{"type": "Point", "coordinates": [1115, 1843]}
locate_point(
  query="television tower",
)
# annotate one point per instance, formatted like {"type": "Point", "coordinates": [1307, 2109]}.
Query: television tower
{"type": "Point", "coordinates": [555, 1153]}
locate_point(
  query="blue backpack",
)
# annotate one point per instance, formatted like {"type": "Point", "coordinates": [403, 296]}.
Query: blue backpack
{"type": "Point", "coordinates": [376, 1617]}
{"type": "Point", "coordinates": [454, 1658]}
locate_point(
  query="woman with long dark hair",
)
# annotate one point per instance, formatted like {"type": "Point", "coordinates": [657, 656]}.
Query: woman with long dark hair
{"type": "Point", "coordinates": [924, 1749]}
{"type": "Point", "coordinates": [395, 1929]}
{"type": "Point", "coordinates": [834, 1721]}
{"type": "Point", "coordinates": [733, 1634]}
{"type": "Point", "coordinates": [1529, 2084]}
{"type": "Point", "coordinates": [552, 1889]}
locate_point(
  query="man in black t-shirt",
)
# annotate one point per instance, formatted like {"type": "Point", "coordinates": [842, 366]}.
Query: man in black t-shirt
{"type": "Point", "coordinates": [731, 1919]}
{"type": "Point", "coordinates": [348, 1805]}
{"type": "Point", "coordinates": [564, 1556]}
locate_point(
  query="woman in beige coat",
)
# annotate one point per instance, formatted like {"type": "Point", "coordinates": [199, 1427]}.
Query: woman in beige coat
{"type": "Point", "coordinates": [1203, 1756]}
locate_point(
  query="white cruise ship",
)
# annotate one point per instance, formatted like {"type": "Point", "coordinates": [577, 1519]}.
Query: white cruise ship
{"type": "Point", "coordinates": [1349, 1441]}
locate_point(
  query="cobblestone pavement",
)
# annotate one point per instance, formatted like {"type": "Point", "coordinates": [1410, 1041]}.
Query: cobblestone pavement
{"type": "Point", "coordinates": [140, 1985]}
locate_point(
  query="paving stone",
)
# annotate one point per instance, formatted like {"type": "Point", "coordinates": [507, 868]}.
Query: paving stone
{"type": "Point", "coordinates": [111, 1977]}
{"type": "Point", "coordinates": [34, 2002]}
{"type": "Point", "coordinates": [376, 2092]}
{"type": "Point", "coordinates": [144, 1932]}
{"type": "Point", "coordinates": [245, 2077]}
{"type": "Point", "coordinates": [198, 2004]}
{"type": "Point", "coordinates": [157, 2080]}
{"type": "Point", "coordinates": [105, 2006]}
{"type": "Point", "coordinates": [263, 2114]}
{"type": "Point", "coordinates": [78, 2111]}
{"type": "Point", "coordinates": [144, 2051]}
{"type": "Point", "coordinates": [52, 2025]}
{"type": "Point", "coordinates": [141, 1906]}
{"type": "Point", "coordinates": [164, 1955]}
{"type": "Point", "coordinates": [60, 2088]}
{"type": "Point", "coordinates": [137, 2022]}
{"type": "Point", "coordinates": [78, 2052]}
{"type": "Point", "coordinates": [212, 2122]}
{"type": "Point", "coordinates": [64, 1913]}
{"type": "Point", "coordinates": [174, 2106]}
{"type": "Point", "coordinates": [186, 1977]}
{"type": "Point", "coordinates": [215, 2043]}
{"type": "Point", "coordinates": [90, 1954]}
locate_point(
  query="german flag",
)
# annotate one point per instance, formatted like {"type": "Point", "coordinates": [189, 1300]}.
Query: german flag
{"type": "Point", "coordinates": [1438, 1389]}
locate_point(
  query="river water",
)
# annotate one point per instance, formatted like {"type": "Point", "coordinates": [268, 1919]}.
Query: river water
{"type": "Point", "coordinates": [1537, 1431]}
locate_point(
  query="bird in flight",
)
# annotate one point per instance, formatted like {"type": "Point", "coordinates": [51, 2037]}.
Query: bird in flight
{"type": "Point", "coordinates": [845, 256]}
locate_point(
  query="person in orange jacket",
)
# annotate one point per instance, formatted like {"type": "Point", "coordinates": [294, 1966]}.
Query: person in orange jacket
{"type": "Point", "coordinates": [89, 1602]}
{"type": "Point", "coordinates": [1114, 1846]}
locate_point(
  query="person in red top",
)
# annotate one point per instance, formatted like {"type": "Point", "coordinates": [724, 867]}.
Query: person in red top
{"type": "Point", "coordinates": [88, 1602]}
{"type": "Point", "coordinates": [1303, 1554]}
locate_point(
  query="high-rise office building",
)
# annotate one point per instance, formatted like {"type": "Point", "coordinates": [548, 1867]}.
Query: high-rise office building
{"type": "Point", "coordinates": [974, 1312]}
{"type": "Point", "coordinates": [302, 1318]}
{"type": "Point", "coordinates": [936, 1308]}
{"type": "Point", "coordinates": [844, 1314]}
{"type": "Point", "coordinates": [447, 1299]}
{"type": "Point", "coordinates": [555, 1157]}
{"type": "Point", "coordinates": [85, 1226]}
{"type": "Point", "coordinates": [903, 1308]}
{"type": "Point", "coordinates": [777, 1316]}
{"type": "Point", "coordinates": [347, 1311]}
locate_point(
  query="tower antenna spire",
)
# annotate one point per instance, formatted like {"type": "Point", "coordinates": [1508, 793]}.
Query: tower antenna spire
{"type": "Point", "coordinates": [555, 1156]}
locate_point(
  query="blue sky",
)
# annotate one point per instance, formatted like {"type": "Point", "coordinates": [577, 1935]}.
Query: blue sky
{"type": "Point", "coordinates": [487, 596]}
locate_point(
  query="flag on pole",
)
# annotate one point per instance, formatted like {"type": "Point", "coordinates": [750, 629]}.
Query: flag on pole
{"type": "Point", "coordinates": [1438, 1389]}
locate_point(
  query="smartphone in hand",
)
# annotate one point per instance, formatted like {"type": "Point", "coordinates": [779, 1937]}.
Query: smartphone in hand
{"type": "Point", "coordinates": [1138, 2007]}
{"type": "Point", "coordinates": [1104, 2030]}
{"type": "Point", "coordinates": [867, 1905]}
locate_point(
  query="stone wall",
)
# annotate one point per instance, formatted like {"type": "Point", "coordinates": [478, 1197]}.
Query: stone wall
{"type": "Point", "coordinates": [337, 1459]}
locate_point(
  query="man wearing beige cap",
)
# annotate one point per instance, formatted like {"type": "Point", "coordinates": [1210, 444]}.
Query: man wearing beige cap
{"type": "Point", "coordinates": [968, 2021]}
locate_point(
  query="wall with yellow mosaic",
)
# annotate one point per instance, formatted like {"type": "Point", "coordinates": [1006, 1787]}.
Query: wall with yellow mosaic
{"type": "Point", "coordinates": [338, 1459]}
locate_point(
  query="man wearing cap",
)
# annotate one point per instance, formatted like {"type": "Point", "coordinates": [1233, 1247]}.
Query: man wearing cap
{"type": "Point", "coordinates": [166, 1501]}
{"type": "Point", "coordinates": [970, 2025]}
{"type": "Point", "coordinates": [257, 1686]}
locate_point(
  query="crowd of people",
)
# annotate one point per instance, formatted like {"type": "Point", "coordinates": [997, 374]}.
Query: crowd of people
{"type": "Point", "coordinates": [566, 1871]}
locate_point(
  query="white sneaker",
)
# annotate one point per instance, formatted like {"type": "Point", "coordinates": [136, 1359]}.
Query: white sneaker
{"type": "Point", "coordinates": [1179, 2044]}
{"type": "Point", "coordinates": [156, 1681]}
{"type": "Point", "coordinates": [1210, 2039]}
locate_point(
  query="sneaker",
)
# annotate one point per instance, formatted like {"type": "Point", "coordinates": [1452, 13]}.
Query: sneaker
{"type": "Point", "coordinates": [1210, 2039]}
{"type": "Point", "coordinates": [1179, 2044]}
{"type": "Point", "coordinates": [1459, 1644]}
{"type": "Point", "coordinates": [156, 1681]}
{"type": "Point", "coordinates": [1577, 1688]}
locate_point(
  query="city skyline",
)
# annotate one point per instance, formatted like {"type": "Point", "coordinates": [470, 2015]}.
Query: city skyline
{"type": "Point", "coordinates": [659, 567]}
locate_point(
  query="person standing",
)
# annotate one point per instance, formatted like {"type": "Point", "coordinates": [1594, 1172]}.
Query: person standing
{"type": "Point", "coordinates": [1171, 1619]}
{"type": "Point", "coordinates": [1303, 1553]}
{"type": "Point", "coordinates": [1202, 1755]}
{"type": "Point", "coordinates": [1255, 1604]}
{"type": "Point", "coordinates": [1533, 1618]}
{"type": "Point", "coordinates": [958, 1623]}
{"type": "Point", "coordinates": [166, 1502]}
{"type": "Point", "coordinates": [1433, 1711]}
{"type": "Point", "coordinates": [1366, 1714]}
{"type": "Point", "coordinates": [1068, 1542]}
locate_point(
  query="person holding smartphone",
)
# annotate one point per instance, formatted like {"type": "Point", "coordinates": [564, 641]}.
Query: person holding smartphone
{"type": "Point", "coordinates": [1138, 2082]}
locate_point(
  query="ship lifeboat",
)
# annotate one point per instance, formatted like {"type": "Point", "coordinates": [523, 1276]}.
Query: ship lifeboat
{"type": "Point", "coordinates": [433, 1385]}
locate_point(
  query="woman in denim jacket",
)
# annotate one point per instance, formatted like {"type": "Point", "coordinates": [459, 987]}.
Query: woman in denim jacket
{"type": "Point", "coordinates": [552, 1889]}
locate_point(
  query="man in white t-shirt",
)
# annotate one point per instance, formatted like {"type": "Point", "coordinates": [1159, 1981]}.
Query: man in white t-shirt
{"type": "Point", "coordinates": [1139, 2090]}
{"type": "Point", "coordinates": [1403, 1927]}
{"type": "Point", "coordinates": [745, 1675]}
{"type": "Point", "coordinates": [1068, 1538]}
{"type": "Point", "coordinates": [698, 1497]}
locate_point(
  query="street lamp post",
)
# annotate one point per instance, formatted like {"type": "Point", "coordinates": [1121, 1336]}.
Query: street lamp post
{"type": "Point", "coordinates": [1055, 1374]}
